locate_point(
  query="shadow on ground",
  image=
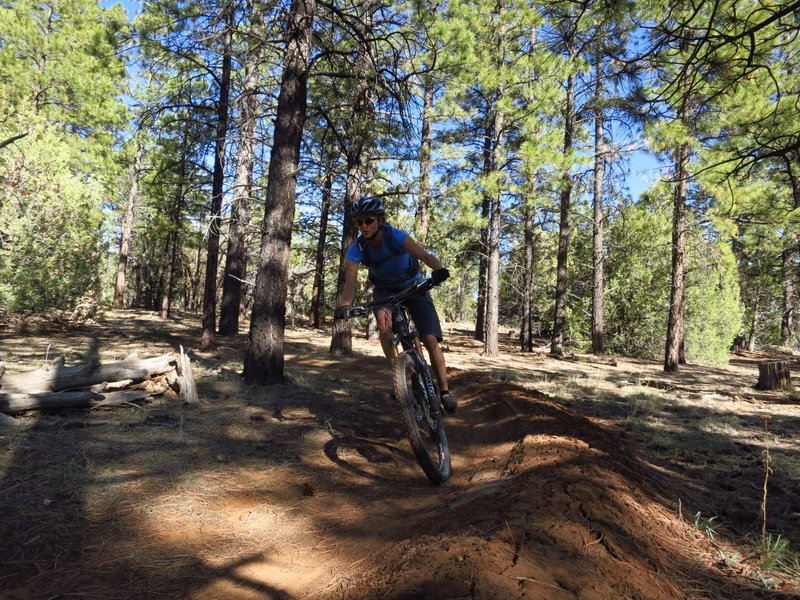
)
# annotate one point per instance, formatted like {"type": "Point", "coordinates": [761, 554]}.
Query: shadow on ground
{"type": "Point", "coordinates": [309, 490]}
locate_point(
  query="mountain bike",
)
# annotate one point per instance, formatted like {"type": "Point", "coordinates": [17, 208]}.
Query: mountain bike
{"type": "Point", "coordinates": [414, 386]}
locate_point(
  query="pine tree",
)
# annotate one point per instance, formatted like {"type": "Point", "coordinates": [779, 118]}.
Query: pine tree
{"type": "Point", "coordinates": [264, 359]}
{"type": "Point", "coordinates": [61, 76]}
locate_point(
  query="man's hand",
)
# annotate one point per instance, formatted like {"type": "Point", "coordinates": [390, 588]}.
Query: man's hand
{"type": "Point", "coordinates": [341, 312]}
{"type": "Point", "coordinates": [439, 275]}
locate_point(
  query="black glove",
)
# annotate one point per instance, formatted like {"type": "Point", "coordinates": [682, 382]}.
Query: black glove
{"type": "Point", "coordinates": [439, 275]}
{"type": "Point", "coordinates": [341, 312]}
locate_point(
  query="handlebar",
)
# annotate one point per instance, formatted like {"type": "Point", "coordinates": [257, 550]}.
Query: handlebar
{"type": "Point", "coordinates": [419, 286]}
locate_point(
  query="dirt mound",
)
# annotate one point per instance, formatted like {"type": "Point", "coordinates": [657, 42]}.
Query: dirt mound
{"type": "Point", "coordinates": [551, 507]}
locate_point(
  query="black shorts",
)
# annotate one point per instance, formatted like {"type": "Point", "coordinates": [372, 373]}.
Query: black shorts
{"type": "Point", "coordinates": [421, 308]}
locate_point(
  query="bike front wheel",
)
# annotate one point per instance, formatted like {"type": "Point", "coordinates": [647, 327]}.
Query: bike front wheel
{"type": "Point", "coordinates": [423, 422]}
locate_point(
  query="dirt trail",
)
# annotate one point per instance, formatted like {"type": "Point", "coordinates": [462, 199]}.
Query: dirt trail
{"type": "Point", "coordinates": [310, 490]}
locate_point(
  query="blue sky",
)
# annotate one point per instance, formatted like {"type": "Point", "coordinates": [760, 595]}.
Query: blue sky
{"type": "Point", "coordinates": [645, 171]}
{"type": "Point", "coordinates": [131, 6]}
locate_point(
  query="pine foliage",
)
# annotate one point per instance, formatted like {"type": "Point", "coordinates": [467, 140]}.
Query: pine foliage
{"type": "Point", "coordinates": [473, 121]}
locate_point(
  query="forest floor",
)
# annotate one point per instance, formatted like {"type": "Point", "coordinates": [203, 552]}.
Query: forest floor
{"type": "Point", "coordinates": [571, 479]}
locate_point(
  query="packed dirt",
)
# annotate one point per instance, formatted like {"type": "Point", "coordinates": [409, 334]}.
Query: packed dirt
{"type": "Point", "coordinates": [571, 479]}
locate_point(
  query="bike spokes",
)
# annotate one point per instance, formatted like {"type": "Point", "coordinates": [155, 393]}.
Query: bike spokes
{"type": "Point", "coordinates": [422, 418]}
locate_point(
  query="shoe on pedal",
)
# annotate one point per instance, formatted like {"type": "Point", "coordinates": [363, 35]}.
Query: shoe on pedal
{"type": "Point", "coordinates": [449, 403]}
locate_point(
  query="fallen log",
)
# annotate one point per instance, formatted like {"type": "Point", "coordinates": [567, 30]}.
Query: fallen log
{"type": "Point", "coordinates": [57, 377]}
{"type": "Point", "coordinates": [184, 384]}
{"type": "Point", "coordinates": [17, 403]}
{"type": "Point", "coordinates": [94, 384]}
{"type": "Point", "coordinates": [609, 361]}
{"type": "Point", "coordinates": [660, 385]}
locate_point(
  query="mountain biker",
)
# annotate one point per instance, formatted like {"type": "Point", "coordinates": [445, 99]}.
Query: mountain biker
{"type": "Point", "coordinates": [392, 258]}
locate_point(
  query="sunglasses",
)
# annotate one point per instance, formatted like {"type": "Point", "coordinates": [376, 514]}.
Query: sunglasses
{"type": "Point", "coordinates": [367, 221]}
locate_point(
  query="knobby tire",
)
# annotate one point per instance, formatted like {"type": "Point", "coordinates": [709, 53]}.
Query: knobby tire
{"type": "Point", "coordinates": [425, 432]}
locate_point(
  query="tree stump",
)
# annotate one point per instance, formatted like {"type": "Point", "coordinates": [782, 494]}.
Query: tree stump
{"type": "Point", "coordinates": [775, 376]}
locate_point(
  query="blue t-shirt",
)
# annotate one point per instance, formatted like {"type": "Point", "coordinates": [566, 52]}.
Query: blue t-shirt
{"type": "Point", "coordinates": [386, 268]}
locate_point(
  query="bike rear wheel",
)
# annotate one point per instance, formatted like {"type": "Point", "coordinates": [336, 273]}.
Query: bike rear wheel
{"type": "Point", "coordinates": [424, 425]}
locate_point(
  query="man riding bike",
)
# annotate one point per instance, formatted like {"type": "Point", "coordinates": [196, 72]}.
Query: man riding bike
{"type": "Point", "coordinates": [392, 258]}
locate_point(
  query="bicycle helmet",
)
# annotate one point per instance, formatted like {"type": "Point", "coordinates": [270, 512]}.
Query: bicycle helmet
{"type": "Point", "coordinates": [369, 206]}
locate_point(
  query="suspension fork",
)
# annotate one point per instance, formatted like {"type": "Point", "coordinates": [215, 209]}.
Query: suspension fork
{"type": "Point", "coordinates": [426, 377]}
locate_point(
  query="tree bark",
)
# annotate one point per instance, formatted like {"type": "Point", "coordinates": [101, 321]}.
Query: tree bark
{"type": "Point", "coordinates": [754, 322]}
{"type": "Point", "coordinates": [422, 220]}
{"type": "Point", "coordinates": [236, 257]}
{"type": "Point", "coordinates": [16, 403]}
{"type": "Point", "coordinates": [57, 377]}
{"type": "Point", "coordinates": [598, 254]}
{"type": "Point", "coordinates": [264, 359]}
{"type": "Point", "coordinates": [787, 318]}
{"type": "Point", "coordinates": [217, 187]}
{"type": "Point", "coordinates": [673, 350]}
{"type": "Point", "coordinates": [104, 384]}
{"type": "Point", "coordinates": [565, 208]}
{"type": "Point", "coordinates": [491, 345]}
{"type": "Point", "coordinates": [172, 243]}
{"type": "Point", "coordinates": [12, 139]}
{"type": "Point", "coordinates": [526, 329]}
{"type": "Point", "coordinates": [775, 376]}
{"type": "Point", "coordinates": [359, 138]}
{"type": "Point", "coordinates": [127, 226]}
{"type": "Point", "coordinates": [483, 245]}
{"type": "Point", "coordinates": [342, 336]}
{"type": "Point", "coordinates": [318, 289]}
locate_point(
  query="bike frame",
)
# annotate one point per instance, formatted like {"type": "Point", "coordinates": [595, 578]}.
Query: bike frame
{"type": "Point", "coordinates": [404, 337]}
{"type": "Point", "coordinates": [414, 387]}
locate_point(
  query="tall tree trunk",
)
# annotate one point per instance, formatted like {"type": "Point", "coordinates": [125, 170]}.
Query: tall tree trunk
{"type": "Point", "coordinates": [491, 161]}
{"type": "Point", "coordinates": [491, 325]}
{"type": "Point", "coordinates": [787, 319]}
{"type": "Point", "coordinates": [172, 244]}
{"type": "Point", "coordinates": [560, 312]}
{"type": "Point", "coordinates": [195, 278]}
{"type": "Point", "coordinates": [598, 255]}
{"type": "Point", "coordinates": [170, 252]}
{"type": "Point", "coordinates": [359, 138]}
{"type": "Point", "coordinates": [212, 257]}
{"type": "Point", "coordinates": [342, 336]}
{"type": "Point", "coordinates": [422, 221]}
{"type": "Point", "coordinates": [754, 321]}
{"type": "Point", "coordinates": [127, 226]}
{"type": "Point", "coordinates": [491, 345]}
{"type": "Point", "coordinates": [236, 258]}
{"type": "Point", "coordinates": [486, 207]}
{"type": "Point", "coordinates": [673, 351]}
{"type": "Point", "coordinates": [526, 328]}
{"type": "Point", "coordinates": [458, 310]}
{"type": "Point", "coordinates": [318, 290]}
{"type": "Point", "coordinates": [264, 359]}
